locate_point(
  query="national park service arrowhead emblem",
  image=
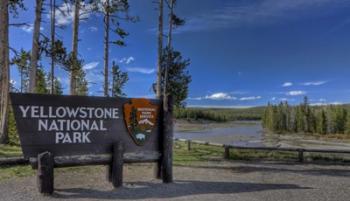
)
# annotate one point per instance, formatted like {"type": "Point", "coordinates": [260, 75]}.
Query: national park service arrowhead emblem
{"type": "Point", "coordinates": [140, 118]}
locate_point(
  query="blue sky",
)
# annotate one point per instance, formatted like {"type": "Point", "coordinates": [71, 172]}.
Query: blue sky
{"type": "Point", "coordinates": [243, 53]}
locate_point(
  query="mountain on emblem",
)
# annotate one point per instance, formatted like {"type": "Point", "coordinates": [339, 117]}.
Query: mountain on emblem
{"type": "Point", "coordinates": [140, 117]}
{"type": "Point", "coordinates": [146, 121]}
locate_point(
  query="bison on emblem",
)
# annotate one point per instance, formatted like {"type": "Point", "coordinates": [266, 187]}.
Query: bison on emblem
{"type": "Point", "coordinates": [140, 118]}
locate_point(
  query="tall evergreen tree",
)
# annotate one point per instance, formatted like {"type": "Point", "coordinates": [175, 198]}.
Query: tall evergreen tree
{"type": "Point", "coordinates": [22, 61]}
{"type": "Point", "coordinates": [119, 79]}
{"type": "Point", "coordinates": [4, 70]}
{"type": "Point", "coordinates": [41, 85]}
{"type": "Point", "coordinates": [160, 49]}
{"type": "Point", "coordinates": [74, 69]}
{"type": "Point", "coordinates": [35, 46]}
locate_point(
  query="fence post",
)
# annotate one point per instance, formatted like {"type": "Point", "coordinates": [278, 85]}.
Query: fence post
{"type": "Point", "coordinates": [117, 164]}
{"type": "Point", "coordinates": [189, 145]}
{"type": "Point", "coordinates": [227, 152]}
{"type": "Point", "coordinates": [301, 155]}
{"type": "Point", "coordinates": [167, 156]}
{"type": "Point", "coordinates": [45, 174]}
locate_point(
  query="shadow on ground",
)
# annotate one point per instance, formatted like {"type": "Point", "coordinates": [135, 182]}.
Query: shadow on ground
{"type": "Point", "coordinates": [147, 190]}
{"type": "Point", "coordinates": [309, 171]}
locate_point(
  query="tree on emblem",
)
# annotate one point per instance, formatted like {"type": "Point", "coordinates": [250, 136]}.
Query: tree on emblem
{"type": "Point", "coordinates": [133, 120]}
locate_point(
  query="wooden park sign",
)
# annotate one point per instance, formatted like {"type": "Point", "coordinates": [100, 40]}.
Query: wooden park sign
{"type": "Point", "coordinates": [61, 131]}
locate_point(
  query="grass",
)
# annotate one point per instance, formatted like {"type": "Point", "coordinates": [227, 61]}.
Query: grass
{"type": "Point", "coordinates": [10, 151]}
{"type": "Point", "coordinates": [15, 171]}
{"type": "Point", "coordinates": [198, 154]}
{"type": "Point", "coordinates": [203, 153]}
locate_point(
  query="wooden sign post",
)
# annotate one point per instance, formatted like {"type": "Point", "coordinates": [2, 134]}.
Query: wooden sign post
{"type": "Point", "coordinates": [60, 131]}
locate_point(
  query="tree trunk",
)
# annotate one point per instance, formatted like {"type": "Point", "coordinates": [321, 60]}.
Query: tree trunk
{"type": "Point", "coordinates": [4, 70]}
{"type": "Point", "coordinates": [169, 54]}
{"type": "Point", "coordinates": [160, 49]}
{"type": "Point", "coordinates": [35, 46]}
{"type": "Point", "coordinates": [53, 12]}
{"type": "Point", "coordinates": [73, 72]}
{"type": "Point", "coordinates": [106, 47]}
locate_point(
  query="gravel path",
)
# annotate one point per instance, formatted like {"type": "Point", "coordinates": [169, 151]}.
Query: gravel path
{"type": "Point", "coordinates": [243, 181]}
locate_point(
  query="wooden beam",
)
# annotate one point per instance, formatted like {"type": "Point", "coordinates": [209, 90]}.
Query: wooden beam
{"type": "Point", "coordinates": [167, 157]}
{"type": "Point", "coordinates": [117, 165]}
{"type": "Point", "coordinates": [101, 159]}
{"type": "Point", "coordinates": [45, 173]}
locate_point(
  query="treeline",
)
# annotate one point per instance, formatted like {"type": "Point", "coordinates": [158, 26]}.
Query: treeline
{"type": "Point", "coordinates": [303, 118]}
{"type": "Point", "coordinates": [219, 115]}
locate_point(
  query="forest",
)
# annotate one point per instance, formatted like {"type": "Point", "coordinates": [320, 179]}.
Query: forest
{"type": "Point", "coordinates": [220, 114]}
{"type": "Point", "coordinates": [37, 66]}
{"type": "Point", "coordinates": [304, 118]}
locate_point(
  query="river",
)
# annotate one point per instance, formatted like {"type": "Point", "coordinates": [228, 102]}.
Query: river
{"type": "Point", "coordinates": [251, 134]}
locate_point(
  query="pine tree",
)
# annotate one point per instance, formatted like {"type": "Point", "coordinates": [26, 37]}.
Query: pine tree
{"type": "Point", "coordinates": [4, 70]}
{"type": "Point", "coordinates": [35, 47]}
{"type": "Point", "coordinates": [160, 49]}
{"type": "Point", "coordinates": [119, 79]}
{"type": "Point", "coordinates": [22, 61]}
{"type": "Point", "coordinates": [178, 77]}
{"type": "Point", "coordinates": [81, 82]}
{"type": "Point", "coordinates": [324, 123]}
{"type": "Point", "coordinates": [41, 85]}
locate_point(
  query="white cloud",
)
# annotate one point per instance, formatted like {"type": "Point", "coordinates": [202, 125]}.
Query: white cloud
{"type": "Point", "coordinates": [13, 82]}
{"type": "Point", "coordinates": [250, 98]}
{"type": "Point", "coordinates": [220, 96]}
{"type": "Point", "coordinates": [215, 96]}
{"type": "Point", "coordinates": [90, 65]}
{"type": "Point", "coordinates": [65, 13]}
{"type": "Point", "coordinates": [296, 93]}
{"type": "Point", "coordinates": [287, 84]}
{"type": "Point", "coordinates": [220, 106]}
{"type": "Point", "coordinates": [314, 83]}
{"type": "Point", "coordinates": [127, 60]}
{"type": "Point", "coordinates": [141, 70]}
{"type": "Point", "coordinates": [29, 28]}
{"type": "Point", "coordinates": [93, 28]}
{"type": "Point", "coordinates": [325, 103]}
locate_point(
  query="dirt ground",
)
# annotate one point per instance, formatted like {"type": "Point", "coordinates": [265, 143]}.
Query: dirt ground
{"type": "Point", "coordinates": [226, 180]}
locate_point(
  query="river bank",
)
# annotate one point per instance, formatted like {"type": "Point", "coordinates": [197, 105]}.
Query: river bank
{"type": "Point", "coordinates": [251, 133]}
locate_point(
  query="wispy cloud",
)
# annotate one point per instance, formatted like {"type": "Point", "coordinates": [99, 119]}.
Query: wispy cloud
{"type": "Point", "coordinates": [13, 82]}
{"type": "Point", "coordinates": [296, 93]}
{"type": "Point", "coordinates": [90, 65]}
{"type": "Point", "coordinates": [141, 70]}
{"type": "Point", "coordinates": [314, 83]}
{"type": "Point", "coordinates": [126, 60]}
{"type": "Point", "coordinates": [287, 84]}
{"type": "Point", "coordinates": [250, 98]}
{"type": "Point", "coordinates": [326, 103]}
{"type": "Point", "coordinates": [220, 106]}
{"type": "Point", "coordinates": [29, 28]}
{"type": "Point", "coordinates": [245, 13]}
{"type": "Point", "coordinates": [65, 13]}
{"type": "Point", "coordinates": [93, 29]}
{"type": "Point", "coordinates": [215, 96]}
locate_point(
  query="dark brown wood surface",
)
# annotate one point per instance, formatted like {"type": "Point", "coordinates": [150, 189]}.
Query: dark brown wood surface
{"type": "Point", "coordinates": [45, 173]}
{"type": "Point", "coordinates": [117, 165]}
{"type": "Point", "coordinates": [167, 158]}
{"type": "Point", "coordinates": [34, 142]}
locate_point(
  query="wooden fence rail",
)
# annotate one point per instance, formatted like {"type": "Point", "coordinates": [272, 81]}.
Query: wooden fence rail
{"type": "Point", "coordinates": [227, 148]}
{"type": "Point", "coordinates": [153, 157]}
